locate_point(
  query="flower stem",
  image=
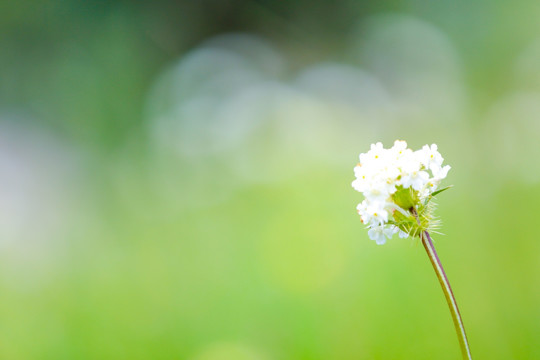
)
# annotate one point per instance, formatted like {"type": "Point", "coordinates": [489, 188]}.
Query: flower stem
{"type": "Point", "coordinates": [446, 288]}
{"type": "Point", "coordinates": [448, 294]}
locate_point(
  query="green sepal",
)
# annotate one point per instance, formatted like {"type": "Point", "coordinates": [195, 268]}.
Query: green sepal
{"type": "Point", "coordinates": [409, 224]}
{"type": "Point", "coordinates": [405, 198]}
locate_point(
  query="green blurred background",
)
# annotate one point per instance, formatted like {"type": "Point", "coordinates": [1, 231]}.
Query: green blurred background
{"type": "Point", "coordinates": [175, 178]}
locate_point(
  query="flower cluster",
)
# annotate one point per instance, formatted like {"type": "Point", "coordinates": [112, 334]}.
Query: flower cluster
{"type": "Point", "coordinates": [398, 184]}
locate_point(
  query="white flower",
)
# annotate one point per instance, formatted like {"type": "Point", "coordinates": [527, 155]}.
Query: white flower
{"type": "Point", "coordinates": [394, 180]}
{"type": "Point", "coordinates": [399, 145]}
{"type": "Point", "coordinates": [362, 174]}
{"type": "Point", "coordinates": [377, 192]}
{"type": "Point", "coordinates": [440, 172]}
{"type": "Point", "coordinates": [374, 154]}
{"type": "Point", "coordinates": [430, 157]}
{"type": "Point", "coordinates": [362, 211]}
{"type": "Point", "coordinates": [377, 214]}
{"type": "Point", "coordinates": [415, 179]}
{"type": "Point", "coordinates": [379, 234]}
{"type": "Point", "coordinates": [403, 234]}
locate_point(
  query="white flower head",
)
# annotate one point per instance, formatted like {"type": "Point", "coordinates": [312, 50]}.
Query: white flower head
{"type": "Point", "coordinates": [395, 182]}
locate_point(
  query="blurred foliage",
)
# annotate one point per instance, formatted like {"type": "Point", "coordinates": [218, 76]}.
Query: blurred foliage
{"type": "Point", "coordinates": [168, 191]}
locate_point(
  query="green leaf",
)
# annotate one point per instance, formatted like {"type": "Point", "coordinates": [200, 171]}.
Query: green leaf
{"type": "Point", "coordinates": [441, 190]}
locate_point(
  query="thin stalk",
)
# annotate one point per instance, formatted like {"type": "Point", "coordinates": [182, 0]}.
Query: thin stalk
{"type": "Point", "coordinates": [447, 290]}
{"type": "Point", "coordinates": [448, 294]}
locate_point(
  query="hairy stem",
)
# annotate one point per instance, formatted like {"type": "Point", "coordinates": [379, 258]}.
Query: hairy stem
{"type": "Point", "coordinates": [447, 290]}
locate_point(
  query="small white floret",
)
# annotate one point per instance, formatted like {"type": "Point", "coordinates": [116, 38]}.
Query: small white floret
{"type": "Point", "coordinates": [416, 179]}
{"type": "Point", "coordinates": [430, 157]}
{"type": "Point", "coordinates": [379, 234]}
